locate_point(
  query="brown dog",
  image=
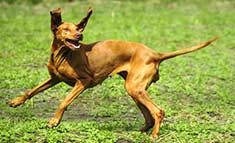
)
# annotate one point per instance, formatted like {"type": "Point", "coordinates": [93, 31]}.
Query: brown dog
{"type": "Point", "coordinates": [86, 65]}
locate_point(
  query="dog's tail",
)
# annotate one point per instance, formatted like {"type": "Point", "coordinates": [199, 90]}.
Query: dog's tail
{"type": "Point", "coordinates": [164, 56]}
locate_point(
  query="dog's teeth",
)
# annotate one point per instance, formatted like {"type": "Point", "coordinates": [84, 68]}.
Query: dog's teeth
{"type": "Point", "coordinates": [77, 47]}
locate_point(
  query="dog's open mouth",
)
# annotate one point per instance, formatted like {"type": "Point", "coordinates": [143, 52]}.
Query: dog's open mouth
{"type": "Point", "coordinates": [73, 44]}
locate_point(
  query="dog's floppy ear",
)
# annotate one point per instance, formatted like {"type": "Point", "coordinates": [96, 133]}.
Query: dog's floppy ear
{"type": "Point", "coordinates": [55, 19]}
{"type": "Point", "coordinates": [82, 24]}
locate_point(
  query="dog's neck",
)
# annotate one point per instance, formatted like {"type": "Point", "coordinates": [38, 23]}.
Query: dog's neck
{"type": "Point", "coordinates": [55, 45]}
{"type": "Point", "coordinates": [58, 52]}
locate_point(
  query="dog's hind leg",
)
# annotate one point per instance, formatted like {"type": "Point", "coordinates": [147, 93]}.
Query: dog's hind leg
{"type": "Point", "coordinates": [41, 87]}
{"type": "Point", "coordinates": [136, 85]}
{"type": "Point", "coordinates": [156, 112]}
{"type": "Point", "coordinates": [149, 120]}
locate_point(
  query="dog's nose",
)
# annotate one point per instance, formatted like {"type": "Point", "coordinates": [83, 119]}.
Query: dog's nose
{"type": "Point", "coordinates": [79, 36]}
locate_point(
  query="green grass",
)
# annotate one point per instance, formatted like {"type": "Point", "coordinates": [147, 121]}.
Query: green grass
{"type": "Point", "coordinates": [195, 90]}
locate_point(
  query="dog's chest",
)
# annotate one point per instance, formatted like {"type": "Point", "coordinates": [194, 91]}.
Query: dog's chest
{"type": "Point", "coordinates": [63, 72]}
{"type": "Point", "coordinates": [69, 71]}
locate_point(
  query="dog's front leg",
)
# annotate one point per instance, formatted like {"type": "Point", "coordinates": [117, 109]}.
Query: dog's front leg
{"type": "Point", "coordinates": [79, 87]}
{"type": "Point", "coordinates": [41, 87]}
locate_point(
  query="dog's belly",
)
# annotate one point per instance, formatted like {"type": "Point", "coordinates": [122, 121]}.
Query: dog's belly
{"type": "Point", "coordinates": [109, 57]}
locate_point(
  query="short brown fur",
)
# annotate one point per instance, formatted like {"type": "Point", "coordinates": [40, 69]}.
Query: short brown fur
{"type": "Point", "coordinates": [86, 65]}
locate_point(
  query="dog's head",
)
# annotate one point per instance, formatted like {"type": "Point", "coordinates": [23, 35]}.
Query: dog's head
{"type": "Point", "coordinates": [68, 34]}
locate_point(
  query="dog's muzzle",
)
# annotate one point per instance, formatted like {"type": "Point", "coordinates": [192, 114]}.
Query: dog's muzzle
{"type": "Point", "coordinates": [73, 44]}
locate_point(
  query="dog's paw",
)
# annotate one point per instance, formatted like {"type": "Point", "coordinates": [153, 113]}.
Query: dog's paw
{"type": "Point", "coordinates": [53, 122]}
{"type": "Point", "coordinates": [154, 135]}
{"type": "Point", "coordinates": [16, 102]}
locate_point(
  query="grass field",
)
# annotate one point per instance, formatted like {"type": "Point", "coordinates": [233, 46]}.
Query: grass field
{"type": "Point", "coordinates": [196, 90]}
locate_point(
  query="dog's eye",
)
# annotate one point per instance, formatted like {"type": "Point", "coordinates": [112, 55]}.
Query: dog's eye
{"type": "Point", "coordinates": [66, 29]}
